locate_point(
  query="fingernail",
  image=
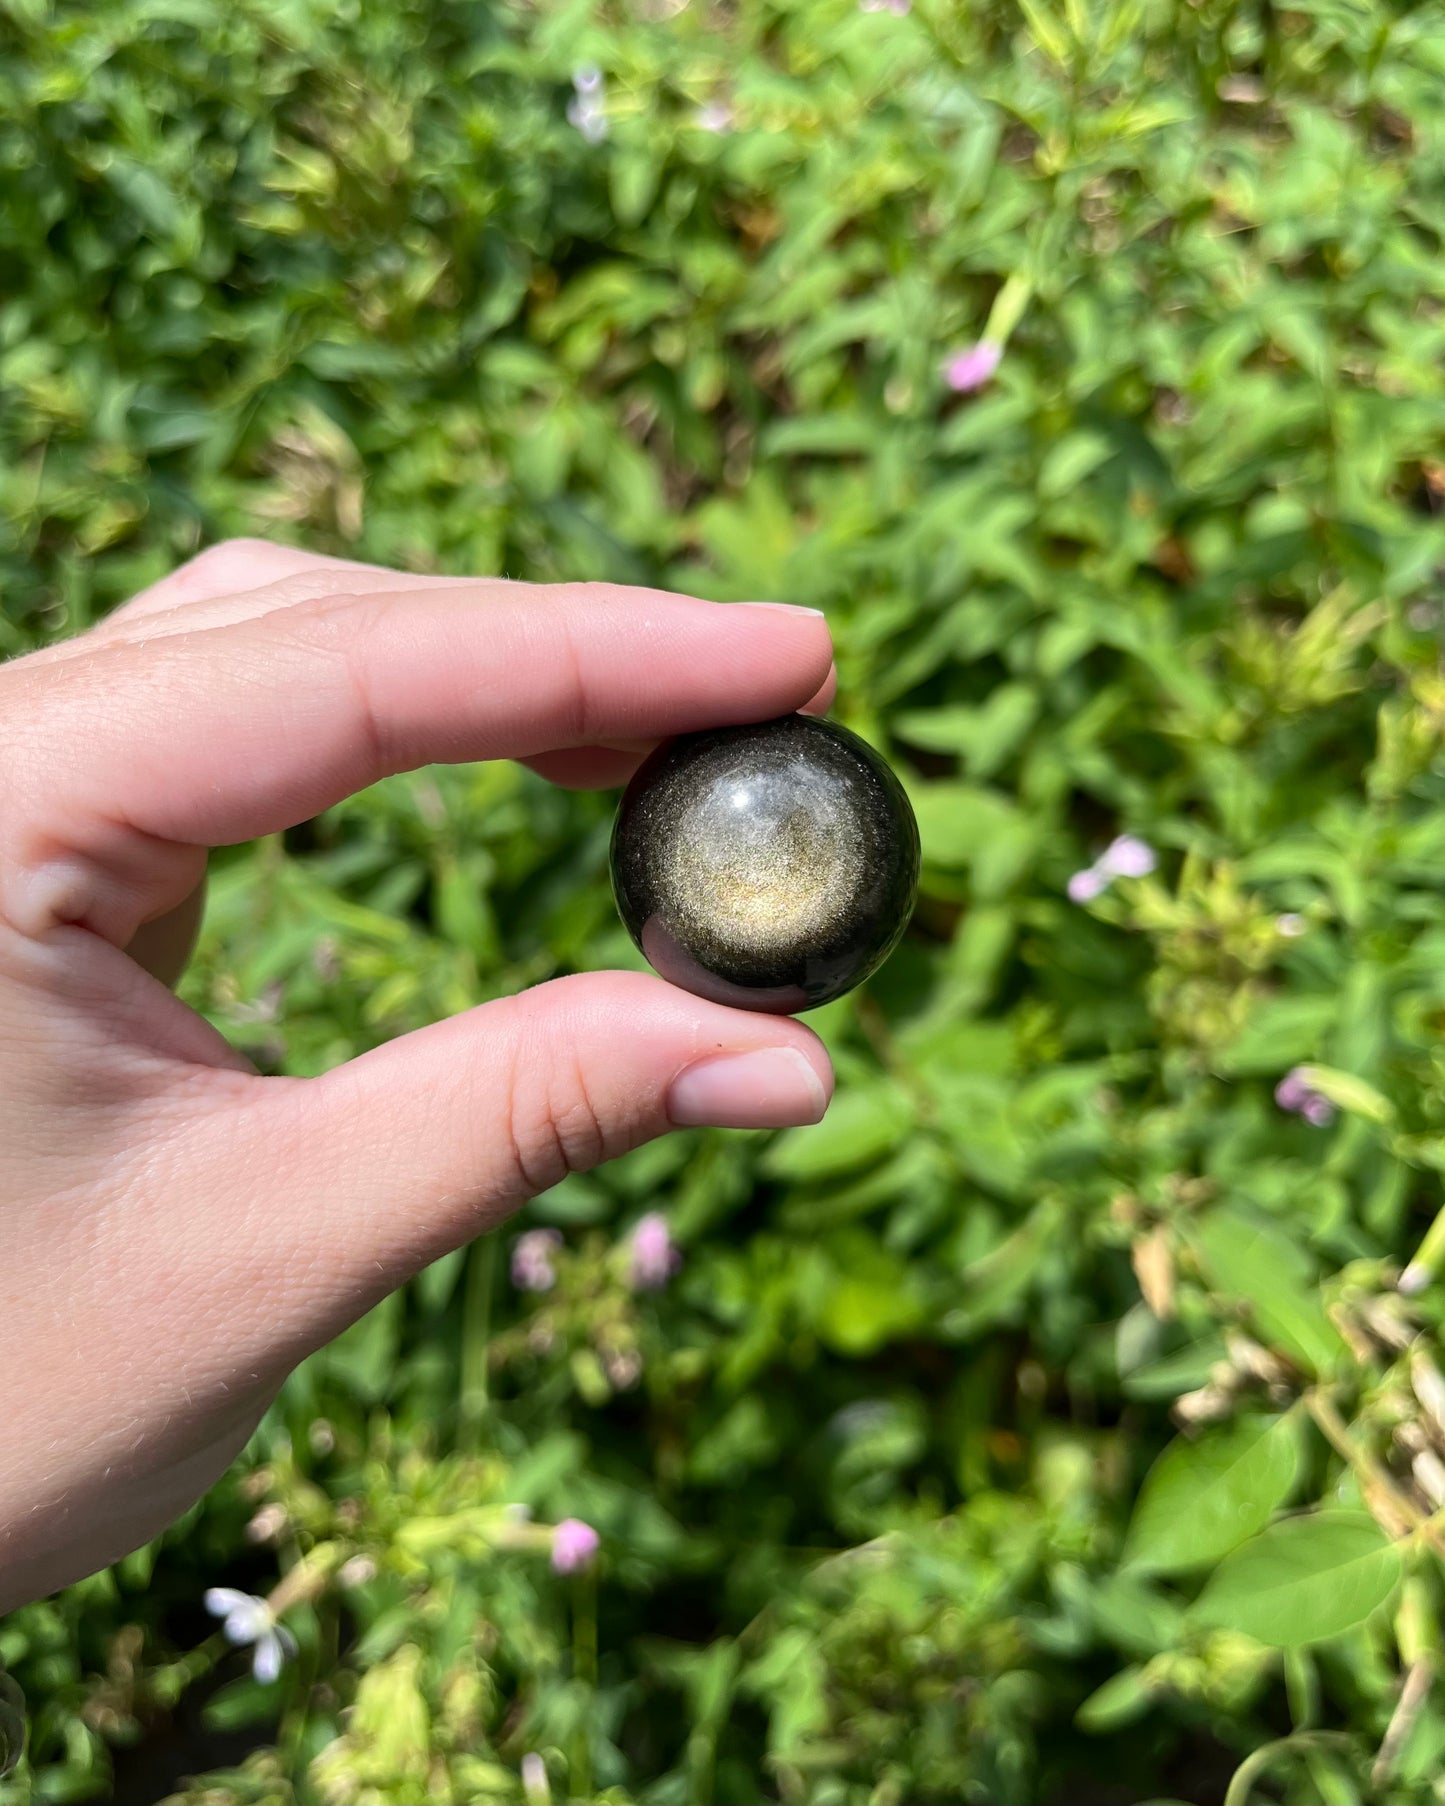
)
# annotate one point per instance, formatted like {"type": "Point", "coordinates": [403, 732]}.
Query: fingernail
{"type": "Point", "coordinates": [791, 608]}
{"type": "Point", "coordinates": [769, 1088]}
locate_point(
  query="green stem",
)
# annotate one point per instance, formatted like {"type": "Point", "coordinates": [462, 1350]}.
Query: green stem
{"type": "Point", "coordinates": [1254, 1766]}
{"type": "Point", "coordinates": [1427, 1256]}
{"type": "Point", "coordinates": [1370, 1473]}
{"type": "Point", "coordinates": [476, 1340]}
{"type": "Point", "coordinates": [1301, 1688]}
{"type": "Point", "coordinates": [584, 1670]}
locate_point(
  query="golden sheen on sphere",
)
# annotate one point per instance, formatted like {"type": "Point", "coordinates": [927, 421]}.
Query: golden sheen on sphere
{"type": "Point", "coordinates": [771, 866]}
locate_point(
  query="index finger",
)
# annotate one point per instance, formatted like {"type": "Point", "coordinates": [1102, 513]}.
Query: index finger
{"type": "Point", "coordinates": [230, 732]}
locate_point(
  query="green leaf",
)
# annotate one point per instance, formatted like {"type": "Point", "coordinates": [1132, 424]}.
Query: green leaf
{"type": "Point", "coordinates": [862, 1296]}
{"type": "Point", "coordinates": [145, 193]}
{"type": "Point", "coordinates": [1047, 32]}
{"type": "Point", "coordinates": [633, 181]}
{"type": "Point", "coordinates": [994, 1286]}
{"type": "Point", "coordinates": [437, 1281]}
{"type": "Point", "coordinates": [1303, 1580]}
{"type": "Point", "coordinates": [1253, 1259]}
{"type": "Point", "coordinates": [1203, 1497]}
{"type": "Point", "coordinates": [1070, 460]}
{"type": "Point", "coordinates": [963, 826]}
{"type": "Point", "coordinates": [862, 1125]}
{"type": "Point", "coordinates": [1122, 1698]}
{"type": "Point", "coordinates": [12, 1725]}
{"type": "Point", "coordinates": [364, 1357]}
{"type": "Point", "coordinates": [1135, 1616]}
{"type": "Point", "coordinates": [1181, 1371]}
{"type": "Point", "coordinates": [1280, 1033]}
{"type": "Point", "coordinates": [983, 736]}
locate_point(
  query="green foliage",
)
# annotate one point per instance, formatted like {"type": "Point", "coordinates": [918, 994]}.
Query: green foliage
{"type": "Point", "coordinates": [1203, 1497]}
{"type": "Point", "coordinates": [868, 1472]}
{"type": "Point", "coordinates": [1305, 1580]}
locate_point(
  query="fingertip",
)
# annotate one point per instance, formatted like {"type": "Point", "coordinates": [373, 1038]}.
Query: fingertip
{"type": "Point", "coordinates": [822, 700]}
{"type": "Point", "coordinates": [675, 1032]}
{"type": "Point", "coordinates": [808, 1044]}
{"type": "Point", "coordinates": [759, 1088]}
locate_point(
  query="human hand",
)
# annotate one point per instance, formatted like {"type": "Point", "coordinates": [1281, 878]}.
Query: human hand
{"type": "Point", "coordinates": [178, 1230]}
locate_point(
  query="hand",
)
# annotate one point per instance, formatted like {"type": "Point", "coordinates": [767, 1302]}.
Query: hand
{"type": "Point", "coordinates": [179, 1231]}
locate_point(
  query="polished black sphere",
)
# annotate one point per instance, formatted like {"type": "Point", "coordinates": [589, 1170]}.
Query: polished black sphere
{"type": "Point", "coordinates": [772, 866]}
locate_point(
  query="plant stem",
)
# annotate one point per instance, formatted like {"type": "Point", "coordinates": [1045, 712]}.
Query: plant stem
{"type": "Point", "coordinates": [1414, 1693]}
{"type": "Point", "coordinates": [1371, 1473]}
{"type": "Point", "coordinates": [475, 1396]}
{"type": "Point", "coordinates": [1254, 1765]}
{"type": "Point", "coordinates": [1427, 1257]}
{"type": "Point", "coordinates": [584, 1670]}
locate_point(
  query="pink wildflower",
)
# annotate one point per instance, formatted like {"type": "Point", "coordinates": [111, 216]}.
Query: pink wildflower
{"type": "Point", "coordinates": [532, 1269]}
{"type": "Point", "coordinates": [1084, 886]}
{"type": "Point", "coordinates": [574, 1546]}
{"type": "Point", "coordinates": [1127, 857]}
{"type": "Point", "coordinates": [970, 369]}
{"type": "Point", "coordinates": [655, 1257]}
{"type": "Point", "coordinates": [1295, 1094]}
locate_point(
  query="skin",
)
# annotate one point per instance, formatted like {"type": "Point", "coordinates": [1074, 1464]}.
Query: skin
{"type": "Point", "coordinates": [179, 1231]}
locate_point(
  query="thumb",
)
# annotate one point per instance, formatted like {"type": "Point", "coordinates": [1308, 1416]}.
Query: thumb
{"type": "Point", "coordinates": [384, 1164]}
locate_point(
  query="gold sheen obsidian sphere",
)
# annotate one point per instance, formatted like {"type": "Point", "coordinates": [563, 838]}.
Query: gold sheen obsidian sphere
{"type": "Point", "coordinates": [771, 866]}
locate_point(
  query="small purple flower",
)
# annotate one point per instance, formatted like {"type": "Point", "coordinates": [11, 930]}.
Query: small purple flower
{"type": "Point", "coordinates": [1127, 857]}
{"type": "Point", "coordinates": [1295, 1094]}
{"type": "Point", "coordinates": [655, 1257]}
{"type": "Point", "coordinates": [971, 369]}
{"type": "Point", "coordinates": [1084, 886]}
{"type": "Point", "coordinates": [590, 120]}
{"type": "Point", "coordinates": [249, 1619]}
{"type": "Point", "coordinates": [587, 111]}
{"type": "Point", "coordinates": [532, 1269]}
{"type": "Point", "coordinates": [535, 1788]}
{"type": "Point", "coordinates": [716, 116]}
{"type": "Point", "coordinates": [574, 1546]}
{"type": "Point", "coordinates": [1290, 925]}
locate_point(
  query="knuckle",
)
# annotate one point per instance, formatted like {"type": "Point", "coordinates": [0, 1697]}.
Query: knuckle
{"type": "Point", "coordinates": [552, 1128]}
{"type": "Point", "coordinates": [235, 566]}
{"type": "Point", "coordinates": [229, 559]}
